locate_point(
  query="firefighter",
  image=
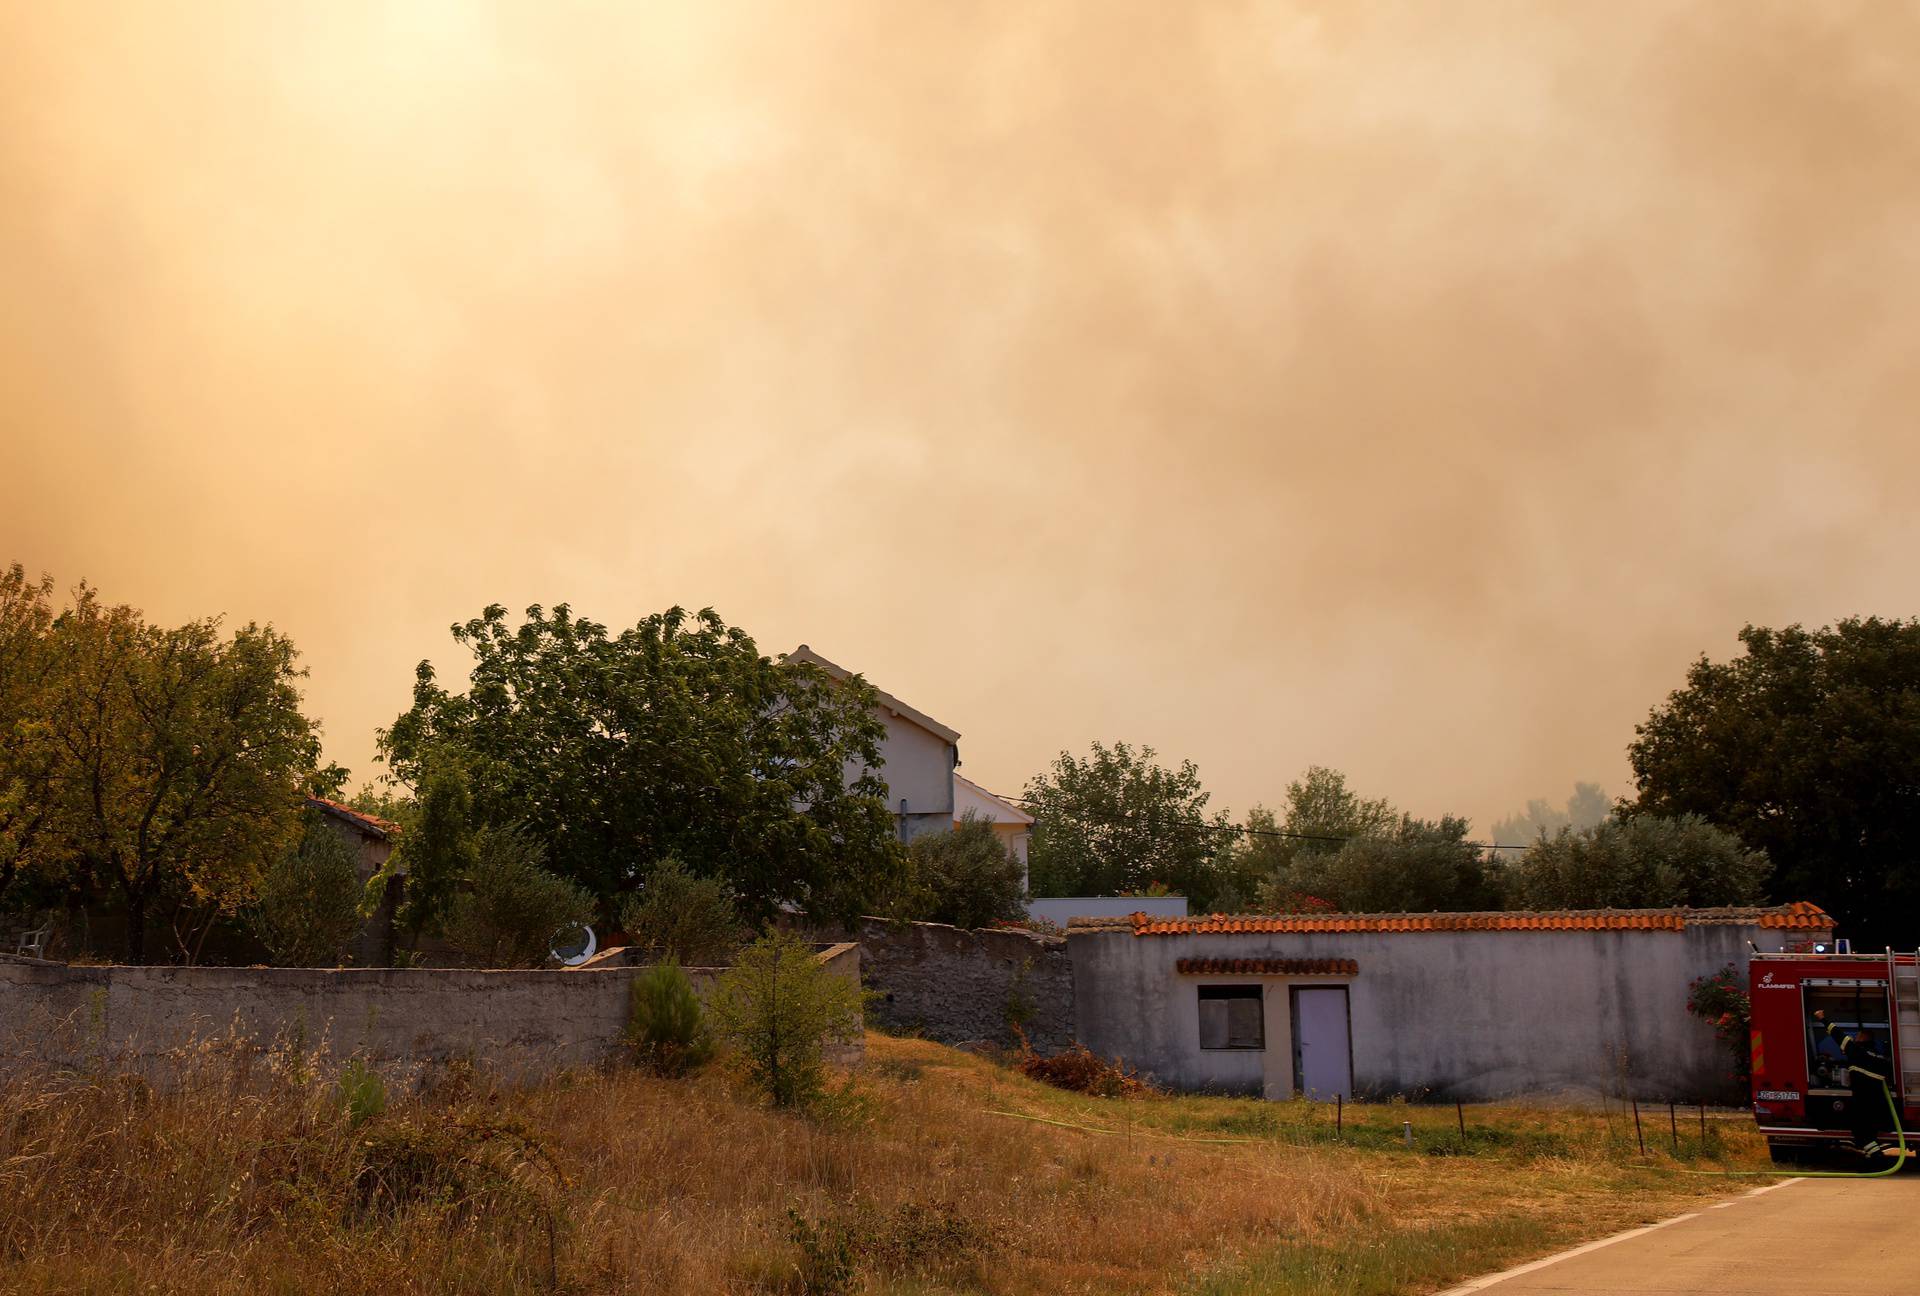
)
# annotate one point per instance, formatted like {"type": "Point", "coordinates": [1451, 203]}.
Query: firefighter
{"type": "Point", "coordinates": [1867, 1073]}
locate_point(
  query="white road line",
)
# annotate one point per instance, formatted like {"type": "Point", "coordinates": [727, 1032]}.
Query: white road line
{"type": "Point", "coordinates": [1481, 1284]}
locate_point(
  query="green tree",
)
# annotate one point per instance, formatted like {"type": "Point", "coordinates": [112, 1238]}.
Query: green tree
{"type": "Point", "coordinates": [780, 1007]}
{"type": "Point", "coordinates": [511, 909]}
{"type": "Point", "coordinates": [679, 915]}
{"type": "Point", "coordinates": [1420, 866]}
{"type": "Point", "coordinates": [27, 759]}
{"type": "Point", "coordinates": [1642, 862]}
{"type": "Point", "coordinates": [1806, 747]}
{"type": "Point", "coordinates": [309, 905]}
{"type": "Point", "coordinates": [437, 851]}
{"type": "Point", "coordinates": [675, 737]}
{"type": "Point", "coordinates": [1117, 821]}
{"type": "Point", "coordinates": [666, 1026]}
{"type": "Point", "coordinates": [964, 877]}
{"type": "Point", "coordinates": [178, 756]}
{"type": "Point", "coordinates": [1586, 807]}
{"type": "Point", "coordinates": [1322, 815]}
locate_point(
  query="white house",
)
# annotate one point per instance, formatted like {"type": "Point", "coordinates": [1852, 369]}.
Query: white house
{"type": "Point", "coordinates": [918, 756]}
{"type": "Point", "coordinates": [1012, 825]}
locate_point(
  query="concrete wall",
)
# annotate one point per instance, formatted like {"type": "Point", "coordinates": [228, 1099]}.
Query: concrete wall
{"type": "Point", "coordinates": [954, 986]}
{"type": "Point", "coordinates": [1474, 1015]}
{"type": "Point", "coordinates": [518, 1024]}
{"type": "Point", "coordinates": [1064, 909]}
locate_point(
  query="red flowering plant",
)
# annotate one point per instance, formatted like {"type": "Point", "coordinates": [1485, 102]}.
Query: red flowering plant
{"type": "Point", "coordinates": [1721, 1001]}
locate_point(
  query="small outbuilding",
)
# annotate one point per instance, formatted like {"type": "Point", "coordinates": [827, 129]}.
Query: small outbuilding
{"type": "Point", "coordinates": [1473, 1006]}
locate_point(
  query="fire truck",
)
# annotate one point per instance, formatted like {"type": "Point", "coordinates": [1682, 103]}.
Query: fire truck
{"type": "Point", "coordinates": [1800, 1089]}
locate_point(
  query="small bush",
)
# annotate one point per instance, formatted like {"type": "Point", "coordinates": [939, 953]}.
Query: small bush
{"type": "Point", "coordinates": [360, 1093]}
{"type": "Point", "coordinates": [680, 916]}
{"type": "Point", "coordinates": [779, 1007]}
{"type": "Point", "coordinates": [666, 1027]}
{"type": "Point", "coordinates": [309, 906]}
{"type": "Point", "coordinates": [1080, 1070]}
{"type": "Point", "coordinates": [514, 909]}
{"type": "Point", "coordinates": [964, 877]}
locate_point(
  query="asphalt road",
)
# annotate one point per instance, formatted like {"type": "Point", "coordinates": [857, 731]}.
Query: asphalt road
{"type": "Point", "coordinates": [1804, 1237]}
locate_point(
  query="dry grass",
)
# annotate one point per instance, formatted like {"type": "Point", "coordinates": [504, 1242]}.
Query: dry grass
{"type": "Point", "coordinates": [246, 1176]}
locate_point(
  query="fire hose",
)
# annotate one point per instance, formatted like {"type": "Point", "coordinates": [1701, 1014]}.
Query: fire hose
{"type": "Point", "coordinates": [1900, 1137]}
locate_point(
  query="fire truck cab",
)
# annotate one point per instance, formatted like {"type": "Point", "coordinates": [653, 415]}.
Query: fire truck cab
{"type": "Point", "coordinates": [1801, 1094]}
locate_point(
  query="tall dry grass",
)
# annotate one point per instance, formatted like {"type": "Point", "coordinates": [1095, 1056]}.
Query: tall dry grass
{"type": "Point", "coordinates": [247, 1173]}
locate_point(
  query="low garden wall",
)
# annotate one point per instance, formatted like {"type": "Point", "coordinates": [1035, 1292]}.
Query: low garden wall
{"type": "Point", "coordinates": [517, 1024]}
{"type": "Point", "coordinates": [957, 986]}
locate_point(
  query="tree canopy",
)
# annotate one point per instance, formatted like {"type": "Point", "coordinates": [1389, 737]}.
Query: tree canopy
{"type": "Point", "coordinates": [964, 877]}
{"type": "Point", "coordinates": [675, 737]}
{"type": "Point", "coordinates": [1642, 862]}
{"type": "Point", "coordinates": [162, 766]}
{"type": "Point", "coordinates": [1806, 747]}
{"type": "Point", "coordinates": [1117, 821]}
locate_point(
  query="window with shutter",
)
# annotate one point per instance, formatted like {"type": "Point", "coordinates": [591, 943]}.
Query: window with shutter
{"type": "Point", "coordinates": [1231, 1017]}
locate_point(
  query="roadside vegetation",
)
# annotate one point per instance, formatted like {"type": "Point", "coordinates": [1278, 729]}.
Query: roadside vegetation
{"type": "Point", "coordinates": [927, 1170]}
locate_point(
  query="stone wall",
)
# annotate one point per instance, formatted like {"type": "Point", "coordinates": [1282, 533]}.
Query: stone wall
{"type": "Point", "coordinates": [517, 1024]}
{"type": "Point", "coordinates": [955, 986]}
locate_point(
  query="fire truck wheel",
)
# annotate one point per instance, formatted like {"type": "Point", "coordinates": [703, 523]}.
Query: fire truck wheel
{"type": "Point", "coordinates": [1791, 1154]}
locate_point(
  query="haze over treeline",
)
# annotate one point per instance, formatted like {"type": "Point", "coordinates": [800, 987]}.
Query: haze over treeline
{"type": "Point", "coordinates": [1413, 393]}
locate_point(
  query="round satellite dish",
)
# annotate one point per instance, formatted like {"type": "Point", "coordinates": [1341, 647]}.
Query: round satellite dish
{"type": "Point", "coordinates": [575, 947]}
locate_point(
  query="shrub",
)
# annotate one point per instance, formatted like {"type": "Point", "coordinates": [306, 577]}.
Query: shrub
{"type": "Point", "coordinates": [513, 909]}
{"type": "Point", "coordinates": [1721, 1001]}
{"type": "Point", "coordinates": [360, 1092]}
{"type": "Point", "coordinates": [1081, 1070]}
{"type": "Point", "coordinates": [666, 1027]}
{"type": "Point", "coordinates": [779, 1006]}
{"type": "Point", "coordinates": [964, 877]}
{"type": "Point", "coordinates": [680, 916]}
{"type": "Point", "coordinates": [309, 906]}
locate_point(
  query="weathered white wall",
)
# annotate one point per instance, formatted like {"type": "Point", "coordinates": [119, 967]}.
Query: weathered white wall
{"type": "Point", "coordinates": [919, 768]}
{"type": "Point", "coordinates": [1470, 1014]}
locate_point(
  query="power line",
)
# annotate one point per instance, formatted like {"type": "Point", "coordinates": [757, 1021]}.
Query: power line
{"type": "Point", "coordinates": [1244, 831]}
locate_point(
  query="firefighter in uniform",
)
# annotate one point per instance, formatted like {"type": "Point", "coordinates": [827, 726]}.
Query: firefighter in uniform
{"type": "Point", "coordinates": [1867, 1073]}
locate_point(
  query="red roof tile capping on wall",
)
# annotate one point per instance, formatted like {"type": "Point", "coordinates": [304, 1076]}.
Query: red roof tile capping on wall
{"type": "Point", "coordinates": [372, 824]}
{"type": "Point", "coordinates": [1267, 967]}
{"type": "Point", "coordinates": [1800, 915]}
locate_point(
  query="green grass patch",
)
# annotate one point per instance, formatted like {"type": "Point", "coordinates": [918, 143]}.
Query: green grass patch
{"type": "Point", "coordinates": [1383, 1262]}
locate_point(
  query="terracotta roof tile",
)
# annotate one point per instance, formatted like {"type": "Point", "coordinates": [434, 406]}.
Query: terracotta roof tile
{"type": "Point", "coordinates": [1800, 915]}
{"type": "Point", "coordinates": [372, 824]}
{"type": "Point", "coordinates": [1268, 967]}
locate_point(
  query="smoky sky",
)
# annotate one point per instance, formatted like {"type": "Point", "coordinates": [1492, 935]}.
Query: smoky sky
{"type": "Point", "coordinates": [1410, 389]}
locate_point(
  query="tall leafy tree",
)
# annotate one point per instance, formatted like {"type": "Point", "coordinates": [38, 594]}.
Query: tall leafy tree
{"type": "Point", "coordinates": [1417, 866]}
{"type": "Point", "coordinates": [675, 737]}
{"type": "Point", "coordinates": [1117, 821]}
{"type": "Point", "coordinates": [26, 758]}
{"type": "Point", "coordinates": [1807, 747]}
{"type": "Point", "coordinates": [1642, 862]}
{"type": "Point", "coordinates": [178, 756]}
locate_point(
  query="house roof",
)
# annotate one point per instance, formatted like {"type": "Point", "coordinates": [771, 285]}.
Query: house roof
{"type": "Point", "coordinates": [999, 808]}
{"type": "Point", "coordinates": [1267, 967]}
{"type": "Point", "coordinates": [1799, 916]}
{"type": "Point", "coordinates": [371, 825]}
{"type": "Point", "coordinates": [887, 700]}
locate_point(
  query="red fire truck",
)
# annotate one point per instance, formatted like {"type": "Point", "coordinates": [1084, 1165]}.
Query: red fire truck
{"type": "Point", "coordinates": [1800, 1090]}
